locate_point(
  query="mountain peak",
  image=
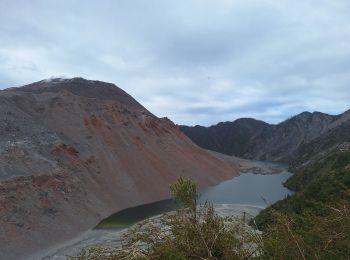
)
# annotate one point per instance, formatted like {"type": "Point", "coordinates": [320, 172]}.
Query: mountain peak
{"type": "Point", "coordinates": [81, 87]}
{"type": "Point", "coordinates": [90, 152]}
{"type": "Point", "coordinates": [55, 83]}
{"type": "Point", "coordinates": [306, 115]}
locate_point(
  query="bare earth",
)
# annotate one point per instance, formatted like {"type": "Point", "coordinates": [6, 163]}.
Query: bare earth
{"type": "Point", "coordinates": [74, 151]}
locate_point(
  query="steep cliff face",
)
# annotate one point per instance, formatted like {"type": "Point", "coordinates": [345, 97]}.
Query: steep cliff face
{"type": "Point", "coordinates": [336, 138]}
{"type": "Point", "coordinates": [281, 141]}
{"type": "Point", "coordinates": [261, 141]}
{"type": "Point", "coordinates": [73, 151]}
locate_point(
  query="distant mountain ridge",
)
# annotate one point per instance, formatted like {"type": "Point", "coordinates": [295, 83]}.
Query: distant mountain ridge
{"type": "Point", "coordinates": [285, 142]}
{"type": "Point", "coordinates": [232, 138]}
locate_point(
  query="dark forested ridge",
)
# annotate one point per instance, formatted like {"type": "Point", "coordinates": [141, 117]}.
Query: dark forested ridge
{"type": "Point", "coordinates": [319, 212]}
{"type": "Point", "coordinates": [287, 141]}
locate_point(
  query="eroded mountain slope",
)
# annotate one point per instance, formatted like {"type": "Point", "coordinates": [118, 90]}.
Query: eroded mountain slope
{"type": "Point", "coordinates": [74, 151]}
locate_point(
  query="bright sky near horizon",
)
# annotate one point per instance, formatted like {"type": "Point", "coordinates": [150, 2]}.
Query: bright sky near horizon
{"type": "Point", "coordinates": [194, 61]}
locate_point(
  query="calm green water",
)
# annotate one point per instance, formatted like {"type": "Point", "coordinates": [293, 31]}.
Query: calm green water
{"type": "Point", "coordinates": [132, 215]}
{"type": "Point", "coordinates": [249, 189]}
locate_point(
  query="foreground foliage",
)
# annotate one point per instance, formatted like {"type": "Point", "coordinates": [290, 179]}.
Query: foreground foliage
{"type": "Point", "coordinates": [314, 223]}
{"type": "Point", "coordinates": [189, 233]}
{"type": "Point", "coordinates": [319, 212]}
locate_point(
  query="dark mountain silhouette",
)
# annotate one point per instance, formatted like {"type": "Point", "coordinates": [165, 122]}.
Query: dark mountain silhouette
{"type": "Point", "coordinates": [232, 138]}
{"type": "Point", "coordinates": [306, 134]}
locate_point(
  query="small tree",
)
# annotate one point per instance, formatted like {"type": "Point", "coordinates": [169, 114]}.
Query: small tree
{"type": "Point", "coordinates": [193, 232]}
{"type": "Point", "coordinates": [184, 192]}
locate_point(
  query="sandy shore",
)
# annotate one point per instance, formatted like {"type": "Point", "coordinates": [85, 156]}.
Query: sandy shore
{"type": "Point", "coordinates": [112, 237]}
{"type": "Point", "coordinates": [251, 166]}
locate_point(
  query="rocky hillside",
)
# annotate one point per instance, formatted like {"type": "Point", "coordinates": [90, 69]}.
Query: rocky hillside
{"type": "Point", "coordinates": [286, 141]}
{"type": "Point", "coordinates": [232, 138]}
{"type": "Point", "coordinates": [336, 138]}
{"type": "Point", "coordinates": [73, 151]}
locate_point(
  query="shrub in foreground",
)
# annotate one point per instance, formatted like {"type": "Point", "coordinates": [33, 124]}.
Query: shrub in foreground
{"type": "Point", "coordinates": [194, 232]}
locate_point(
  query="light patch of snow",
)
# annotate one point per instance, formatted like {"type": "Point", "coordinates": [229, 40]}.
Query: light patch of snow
{"type": "Point", "coordinates": [55, 79]}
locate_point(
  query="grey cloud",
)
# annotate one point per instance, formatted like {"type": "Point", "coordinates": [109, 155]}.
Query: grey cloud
{"type": "Point", "coordinates": [197, 62]}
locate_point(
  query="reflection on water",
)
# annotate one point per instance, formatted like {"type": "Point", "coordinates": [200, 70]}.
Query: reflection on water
{"type": "Point", "coordinates": [249, 189]}
{"type": "Point", "coordinates": [132, 215]}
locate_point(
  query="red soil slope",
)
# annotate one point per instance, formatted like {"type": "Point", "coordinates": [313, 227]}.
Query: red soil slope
{"type": "Point", "coordinates": [74, 151]}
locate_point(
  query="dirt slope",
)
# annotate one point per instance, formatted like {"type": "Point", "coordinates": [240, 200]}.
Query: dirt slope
{"type": "Point", "coordinates": [74, 151]}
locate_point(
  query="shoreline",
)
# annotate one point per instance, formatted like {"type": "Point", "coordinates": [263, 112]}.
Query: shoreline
{"type": "Point", "coordinates": [113, 237]}
{"type": "Point", "coordinates": [252, 166]}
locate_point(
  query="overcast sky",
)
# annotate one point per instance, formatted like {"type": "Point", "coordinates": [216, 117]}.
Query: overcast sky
{"type": "Point", "coordinates": [197, 62]}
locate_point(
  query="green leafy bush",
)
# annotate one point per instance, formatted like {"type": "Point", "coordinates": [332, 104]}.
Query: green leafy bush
{"type": "Point", "coordinates": [320, 211]}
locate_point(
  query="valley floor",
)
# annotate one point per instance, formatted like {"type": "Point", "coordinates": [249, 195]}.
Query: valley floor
{"type": "Point", "coordinates": [251, 166]}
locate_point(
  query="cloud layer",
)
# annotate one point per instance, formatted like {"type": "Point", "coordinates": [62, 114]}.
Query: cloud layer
{"type": "Point", "coordinates": [197, 61]}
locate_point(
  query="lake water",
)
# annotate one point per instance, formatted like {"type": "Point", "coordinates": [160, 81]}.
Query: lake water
{"type": "Point", "coordinates": [248, 189]}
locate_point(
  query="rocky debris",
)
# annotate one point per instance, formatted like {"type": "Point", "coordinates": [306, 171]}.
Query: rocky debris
{"type": "Point", "coordinates": [323, 145]}
{"type": "Point", "coordinates": [113, 237]}
{"type": "Point", "coordinates": [73, 151]}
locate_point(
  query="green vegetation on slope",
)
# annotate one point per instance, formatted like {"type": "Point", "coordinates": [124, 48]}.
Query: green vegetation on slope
{"type": "Point", "coordinates": [320, 212]}
{"type": "Point", "coordinates": [334, 162]}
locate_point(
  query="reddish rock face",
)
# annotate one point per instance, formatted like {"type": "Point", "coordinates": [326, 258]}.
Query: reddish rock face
{"type": "Point", "coordinates": [74, 151]}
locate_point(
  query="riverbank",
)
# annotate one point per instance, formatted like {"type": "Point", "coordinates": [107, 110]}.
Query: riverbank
{"type": "Point", "coordinates": [113, 237]}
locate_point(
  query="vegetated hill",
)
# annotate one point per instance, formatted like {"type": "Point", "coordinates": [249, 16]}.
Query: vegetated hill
{"type": "Point", "coordinates": [73, 151]}
{"type": "Point", "coordinates": [258, 140]}
{"type": "Point", "coordinates": [335, 140]}
{"type": "Point", "coordinates": [318, 213]}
